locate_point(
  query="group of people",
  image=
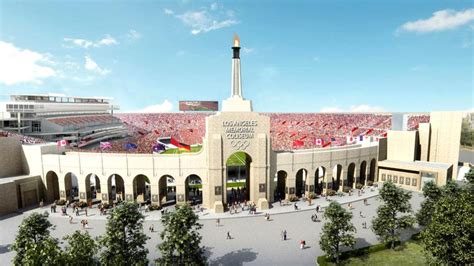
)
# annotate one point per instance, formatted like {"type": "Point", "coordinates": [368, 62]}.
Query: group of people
{"type": "Point", "coordinates": [237, 207]}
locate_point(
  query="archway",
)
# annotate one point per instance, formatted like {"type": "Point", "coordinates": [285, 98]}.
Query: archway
{"type": "Point", "coordinates": [319, 180]}
{"type": "Point", "coordinates": [116, 188]}
{"type": "Point", "coordinates": [193, 189]}
{"type": "Point", "coordinates": [280, 190]}
{"type": "Point", "coordinates": [301, 176]}
{"type": "Point", "coordinates": [71, 185]}
{"type": "Point", "coordinates": [237, 187]}
{"type": "Point", "coordinates": [336, 177]}
{"type": "Point", "coordinates": [363, 168]}
{"type": "Point", "coordinates": [350, 175]}
{"type": "Point", "coordinates": [167, 189]}
{"type": "Point", "coordinates": [92, 186]}
{"type": "Point", "coordinates": [372, 171]}
{"type": "Point", "coordinates": [141, 188]}
{"type": "Point", "coordinates": [52, 186]}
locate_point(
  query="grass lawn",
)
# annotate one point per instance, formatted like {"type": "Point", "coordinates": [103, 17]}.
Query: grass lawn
{"type": "Point", "coordinates": [237, 159]}
{"type": "Point", "coordinates": [176, 151]}
{"type": "Point", "coordinates": [411, 253]}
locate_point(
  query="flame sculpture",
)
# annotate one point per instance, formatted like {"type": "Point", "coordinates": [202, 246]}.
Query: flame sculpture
{"type": "Point", "coordinates": [236, 40]}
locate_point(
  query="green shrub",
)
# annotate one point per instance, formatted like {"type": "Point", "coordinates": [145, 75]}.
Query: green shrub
{"type": "Point", "coordinates": [60, 202]}
{"type": "Point", "coordinates": [359, 185]}
{"type": "Point", "coordinates": [106, 205]}
{"type": "Point", "coordinates": [293, 198]}
{"type": "Point", "coordinates": [330, 192]}
{"type": "Point", "coordinates": [155, 207]}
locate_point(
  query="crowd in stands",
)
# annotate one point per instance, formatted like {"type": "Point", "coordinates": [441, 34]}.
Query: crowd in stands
{"type": "Point", "coordinates": [22, 138]}
{"type": "Point", "coordinates": [415, 120]}
{"type": "Point", "coordinates": [83, 121]}
{"type": "Point", "coordinates": [286, 128]}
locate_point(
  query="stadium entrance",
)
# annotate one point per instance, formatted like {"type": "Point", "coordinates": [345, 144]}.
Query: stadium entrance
{"type": "Point", "coordinates": [237, 182]}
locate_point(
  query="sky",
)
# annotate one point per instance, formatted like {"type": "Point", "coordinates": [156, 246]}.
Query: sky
{"type": "Point", "coordinates": [297, 56]}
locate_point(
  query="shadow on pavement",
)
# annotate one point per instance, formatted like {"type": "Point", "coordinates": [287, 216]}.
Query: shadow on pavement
{"type": "Point", "coordinates": [238, 257]}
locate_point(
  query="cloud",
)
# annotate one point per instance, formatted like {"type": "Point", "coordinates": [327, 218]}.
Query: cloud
{"type": "Point", "coordinates": [165, 107]}
{"type": "Point", "coordinates": [106, 41]}
{"type": "Point", "coordinates": [22, 65]}
{"type": "Point", "coordinates": [247, 50]}
{"type": "Point", "coordinates": [441, 20]}
{"type": "Point", "coordinates": [91, 65]}
{"type": "Point", "coordinates": [363, 108]}
{"type": "Point", "coordinates": [133, 35]}
{"type": "Point", "coordinates": [205, 20]}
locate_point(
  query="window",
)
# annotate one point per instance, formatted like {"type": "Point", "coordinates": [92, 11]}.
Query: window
{"type": "Point", "coordinates": [413, 182]}
{"type": "Point", "coordinates": [401, 180]}
{"type": "Point", "coordinates": [407, 181]}
{"type": "Point", "coordinates": [390, 178]}
{"type": "Point", "coordinates": [383, 177]}
{"type": "Point", "coordinates": [395, 179]}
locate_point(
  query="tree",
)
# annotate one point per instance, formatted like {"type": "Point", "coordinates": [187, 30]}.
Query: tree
{"type": "Point", "coordinates": [124, 239]}
{"type": "Point", "coordinates": [337, 231]}
{"type": "Point", "coordinates": [181, 239]}
{"type": "Point", "coordinates": [81, 249]}
{"type": "Point", "coordinates": [33, 244]}
{"type": "Point", "coordinates": [449, 237]}
{"type": "Point", "coordinates": [432, 194]}
{"type": "Point", "coordinates": [390, 221]}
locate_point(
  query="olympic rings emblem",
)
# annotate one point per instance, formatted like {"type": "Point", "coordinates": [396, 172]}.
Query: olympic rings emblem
{"type": "Point", "coordinates": [240, 144]}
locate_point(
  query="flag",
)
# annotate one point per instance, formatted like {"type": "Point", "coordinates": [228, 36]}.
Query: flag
{"type": "Point", "coordinates": [327, 144]}
{"type": "Point", "coordinates": [158, 148]}
{"type": "Point", "coordinates": [62, 143]}
{"type": "Point", "coordinates": [354, 129]}
{"type": "Point", "coordinates": [319, 142]}
{"type": "Point", "coordinates": [293, 134]}
{"type": "Point", "coordinates": [298, 143]}
{"type": "Point", "coordinates": [350, 139]}
{"type": "Point", "coordinates": [105, 145]}
{"type": "Point", "coordinates": [181, 146]}
{"type": "Point", "coordinates": [361, 138]}
{"type": "Point", "coordinates": [369, 131]}
{"type": "Point", "coordinates": [384, 135]}
{"type": "Point", "coordinates": [130, 146]}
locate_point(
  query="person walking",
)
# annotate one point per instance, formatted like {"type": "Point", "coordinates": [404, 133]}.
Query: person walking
{"type": "Point", "coordinates": [365, 202]}
{"type": "Point", "coordinates": [70, 219]}
{"type": "Point", "coordinates": [41, 203]}
{"type": "Point", "coordinates": [152, 228]}
{"type": "Point", "coordinates": [302, 244]}
{"type": "Point", "coordinates": [218, 222]}
{"type": "Point", "coordinates": [284, 234]}
{"type": "Point", "coordinates": [360, 214]}
{"type": "Point", "coordinates": [364, 225]}
{"type": "Point", "coordinates": [86, 211]}
{"type": "Point", "coordinates": [318, 208]}
{"type": "Point", "coordinates": [228, 235]}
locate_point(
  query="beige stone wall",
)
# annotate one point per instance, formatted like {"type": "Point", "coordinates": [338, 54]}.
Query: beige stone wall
{"type": "Point", "coordinates": [401, 145]}
{"type": "Point", "coordinates": [406, 180]}
{"type": "Point", "coordinates": [445, 138]}
{"type": "Point", "coordinates": [424, 131]}
{"type": "Point", "coordinates": [10, 157]}
{"type": "Point", "coordinates": [8, 198]}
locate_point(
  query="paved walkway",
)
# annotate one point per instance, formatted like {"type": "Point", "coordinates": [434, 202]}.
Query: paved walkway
{"type": "Point", "coordinates": [255, 240]}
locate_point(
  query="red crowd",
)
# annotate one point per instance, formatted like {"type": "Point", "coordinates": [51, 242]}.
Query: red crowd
{"type": "Point", "coordinates": [22, 138]}
{"type": "Point", "coordinates": [415, 120]}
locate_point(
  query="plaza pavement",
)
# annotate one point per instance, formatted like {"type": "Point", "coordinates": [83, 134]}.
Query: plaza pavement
{"type": "Point", "coordinates": [255, 240]}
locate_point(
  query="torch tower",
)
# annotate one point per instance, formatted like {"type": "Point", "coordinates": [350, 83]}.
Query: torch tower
{"type": "Point", "coordinates": [236, 102]}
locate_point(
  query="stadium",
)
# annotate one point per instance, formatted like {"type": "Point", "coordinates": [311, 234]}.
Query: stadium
{"type": "Point", "coordinates": [78, 149]}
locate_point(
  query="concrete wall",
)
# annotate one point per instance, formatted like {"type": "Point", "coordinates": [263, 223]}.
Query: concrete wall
{"type": "Point", "coordinates": [445, 138]}
{"type": "Point", "coordinates": [424, 131]}
{"type": "Point", "coordinates": [401, 145]}
{"type": "Point", "coordinates": [10, 157]}
{"type": "Point", "coordinates": [8, 198]}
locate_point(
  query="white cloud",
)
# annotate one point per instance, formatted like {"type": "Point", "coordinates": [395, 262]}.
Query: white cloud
{"type": "Point", "coordinates": [91, 65]}
{"type": "Point", "coordinates": [165, 107]}
{"type": "Point", "coordinates": [106, 41]}
{"type": "Point", "coordinates": [205, 20]}
{"type": "Point", "coordinates": [22, 65]}
{"type": "Point", "coordinates": [363, 108]}
{"type": "Point", "coordinates": [247, 50]}
{"type": "Point", "coordinates": [133, 35]}
{"type": "Point", "coordinates": [446, 19]}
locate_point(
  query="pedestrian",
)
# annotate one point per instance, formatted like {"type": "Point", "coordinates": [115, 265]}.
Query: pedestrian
{"type": "Point", "coordinates": [52, 208]}
{"type": "Point", "coordinates": [41, 203]}
{"type": "Point", "coordinates": [280, 201]}
{"type": "Point", "coordinates": [86, 211]}
{"type": "Point", "coordinates": [218, 222]}
{"type": "Point", "coordinates": [350, 206]}
{"type": "Point", "coordinates": [302, 244]}
{"type": "Point", "coordinates": [360, 213]}
{"type": "Point", "coordinates": [365, 202]}
{"type": "Point", "coordinates": [296, 207]}
{"type": "Point", "coordinates": [364, 225]}
{"type": "Point", "coordinates": [70, 219]}
{"type": "Point", "coordinates": [318, 208]}
{"type": "Point", "coordinates": [77, 211]}
{"type": "Point", "coordinates": [284, 234]}
{"type": "Point", "coordinates": [228, 235]}
{"type": "Point", "coordinates": [152, 228]}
